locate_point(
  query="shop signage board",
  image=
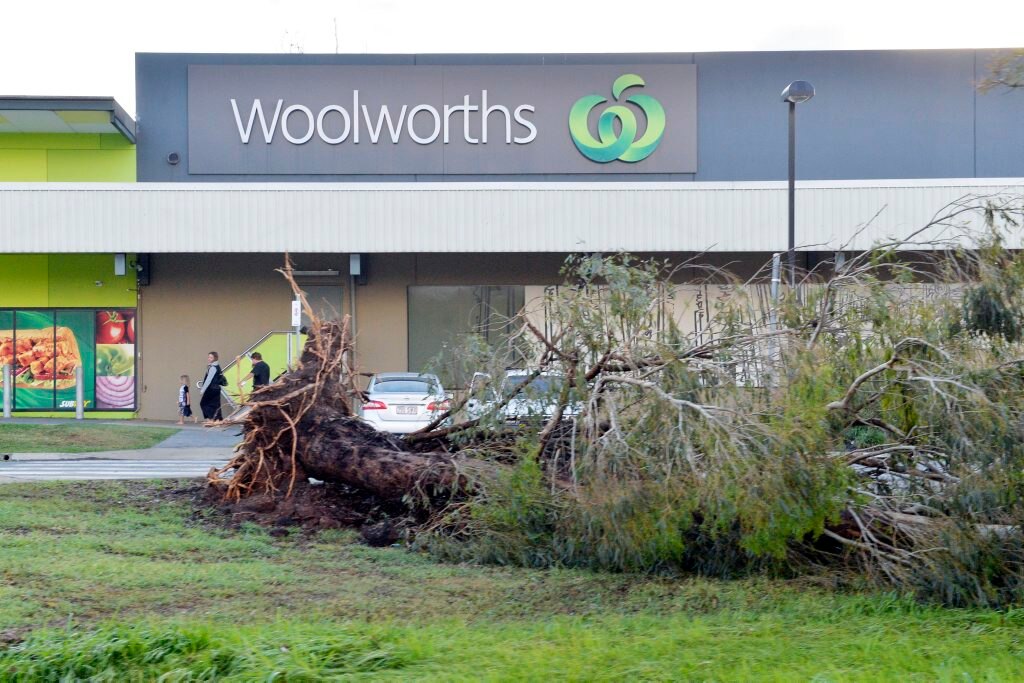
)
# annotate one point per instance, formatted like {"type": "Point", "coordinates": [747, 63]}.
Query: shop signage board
{"type": "Point", "coordinates": [442, 120]}
{"type": "Point", "coordinates": [46, 346]}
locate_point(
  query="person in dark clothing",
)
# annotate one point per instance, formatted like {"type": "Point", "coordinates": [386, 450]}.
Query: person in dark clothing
{"type": "Point", "coordinates": [209, 389]}
{"type": "Point", "coordinates": [260, 373]}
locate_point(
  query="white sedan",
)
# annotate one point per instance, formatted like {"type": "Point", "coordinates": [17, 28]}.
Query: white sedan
{"type": "Point", "coordinates": [534, 403]}
{"type": "Point", "coordinates": [403, 402]}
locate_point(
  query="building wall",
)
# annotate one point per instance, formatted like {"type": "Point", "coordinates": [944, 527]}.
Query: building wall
{"type": "Point", "coordinates": [63, 157]}
{"type": "Point", "coordinates": [44, 280]}
{"type": "Point", "coordinates": [877, 114]}
{"type": "Point", "coordinates": [64, 281]}
{"type": "Point", "coordinates": [226, 302]}
{"type": "Point", "coordinates": [198, 303]}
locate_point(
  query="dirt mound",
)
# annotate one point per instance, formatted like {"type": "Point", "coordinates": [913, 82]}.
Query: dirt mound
{"type": "Point", "coordinates": [314, 507]}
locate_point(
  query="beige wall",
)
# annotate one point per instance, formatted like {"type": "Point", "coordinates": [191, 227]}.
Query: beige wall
{"type": "Point", "coordinates": [227, 302]}
{"type": "Point", "coordinates": [208, 302]}
{"type": "Point", "coordinates": [382, 315]}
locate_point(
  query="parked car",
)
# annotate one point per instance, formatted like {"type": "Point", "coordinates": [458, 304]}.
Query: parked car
{"type": "Point", "coordinates": [403, 402]}
{"type": "Point", "coordinates": [535, 402]}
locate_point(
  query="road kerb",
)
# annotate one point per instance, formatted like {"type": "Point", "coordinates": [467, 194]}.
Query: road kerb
{"type": "Point", "coordinates": [218, 453]}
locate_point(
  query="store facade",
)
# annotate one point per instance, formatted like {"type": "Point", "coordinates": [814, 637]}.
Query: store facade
{"type": "Point", "coordinates": [59, 311]}
{"type": "Point", "coordinates": [431, 195]}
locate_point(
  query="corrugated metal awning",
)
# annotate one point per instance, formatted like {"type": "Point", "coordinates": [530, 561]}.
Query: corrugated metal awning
{"type": "Point", "coordinates": [476, 217]}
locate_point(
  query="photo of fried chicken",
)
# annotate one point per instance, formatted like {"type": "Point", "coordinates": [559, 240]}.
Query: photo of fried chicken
{"type": "Point", "coordinates": [41, 357]}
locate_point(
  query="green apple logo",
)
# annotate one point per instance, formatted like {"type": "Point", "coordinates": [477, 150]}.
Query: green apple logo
{"type": "Point", "coordinates": [623, 146]}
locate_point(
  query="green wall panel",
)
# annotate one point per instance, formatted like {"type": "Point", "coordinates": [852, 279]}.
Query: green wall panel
{"type": "Point", "coordinates": [23, 280]}
{"type": "Point", "coordinates": [22, 165]}
{"type": "Point", "coordinates": [64, 281]}
{"type": "Point", "coordinates": [66, 157]}
{"type": "Point", "coordinates": [73, 278]}
{"type": "Point", "coordinates": [73, 165]}
{"type": "Point", "coordinates": [50, 140]}
{"type": "Point", "coordinates": [115, 141]}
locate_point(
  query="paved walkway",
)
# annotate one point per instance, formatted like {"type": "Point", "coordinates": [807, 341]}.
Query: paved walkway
{"type": "Point", "coordinates": [190, 452]}
{"type": "Point", "coordinates": [153, 454]}
{"type": "Point", "coordinates": [80, 470]}
{"type": "Point", "coordinates": [191, 438]}
{"type": "Point", "coordinates": [198, 436]}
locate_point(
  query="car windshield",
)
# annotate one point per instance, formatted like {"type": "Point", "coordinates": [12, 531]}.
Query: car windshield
{"type": "Point", "coordinates": [540, 386]}
{"type": "Point", "coordinates": [403, 386]}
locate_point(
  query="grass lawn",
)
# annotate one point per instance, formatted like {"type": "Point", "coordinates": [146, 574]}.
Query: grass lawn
{"type": "Point", "coordinates": [78, 438]}
{"type": "Point", "coordinates": [128, 581]}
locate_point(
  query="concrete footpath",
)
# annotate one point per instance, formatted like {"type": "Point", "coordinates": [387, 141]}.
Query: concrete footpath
{"type": "Point", "coordinates": [91, 470]}
{"type": "Point", "coordinates": [189, 452]}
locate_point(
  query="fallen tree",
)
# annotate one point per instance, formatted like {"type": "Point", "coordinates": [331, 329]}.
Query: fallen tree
{"type": "Point", "coordinates": [871, 419]}
{"type": "Point", "coordinates": [305, 425]}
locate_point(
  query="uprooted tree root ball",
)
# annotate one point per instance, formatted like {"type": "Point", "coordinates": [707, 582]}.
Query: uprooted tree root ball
{"type": "Point", "coordinates": [316, 507]}
{"type": "Point", "coordinates": [304, 425]}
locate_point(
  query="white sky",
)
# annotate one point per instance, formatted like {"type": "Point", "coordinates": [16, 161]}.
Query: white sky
{"type": "Point", "coordinates": [70, 47]}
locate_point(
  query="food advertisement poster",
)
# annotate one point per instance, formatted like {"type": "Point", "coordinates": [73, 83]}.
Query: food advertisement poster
{"type": "Point", "coordinates": [115, 360]}
{"type": "Point", "coordinates": [34, 360]}
{"type": "Point", "coordinates": [45, 347]}
{"type": "Point", "coordinates": [73, 331]}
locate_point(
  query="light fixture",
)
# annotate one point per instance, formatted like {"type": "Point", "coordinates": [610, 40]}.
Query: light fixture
{"type": "Point", "coordinates": [330, 272]}
{"type": "Point", "coordinates": [797, 92]}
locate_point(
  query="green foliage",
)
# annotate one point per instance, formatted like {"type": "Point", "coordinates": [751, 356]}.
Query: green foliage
{"type": "Point", "coordinates": [636, 526]}
{"type": "Point", "coordinates": [893, 390]}
{"type": "Point", "coordinates": [986, 311]}
{"type": "Point", "coordinates": [992, 305]}
{"type": "Point", "coordinates": [1004, 70]}
{"type": "Point", "coordinates": [518, 515]}
{"type": "Point", "coordinates": [863, 437]}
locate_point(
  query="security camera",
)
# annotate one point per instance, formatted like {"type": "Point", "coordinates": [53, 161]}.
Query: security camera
{"type": "Point", "coordinates": [173, 158]}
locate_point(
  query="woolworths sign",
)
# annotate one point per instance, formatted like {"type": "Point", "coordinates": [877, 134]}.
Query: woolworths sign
{"type": "Point", "coordinates": [442, 120]}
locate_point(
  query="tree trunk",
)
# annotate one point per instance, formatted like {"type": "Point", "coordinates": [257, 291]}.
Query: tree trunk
{"type": "Point", "coordinates": [344, 449]}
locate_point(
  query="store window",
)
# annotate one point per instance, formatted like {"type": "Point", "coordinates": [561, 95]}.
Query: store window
{"type": "Point", "coordinates": [45, 347]}
{"type": "Point", "coordinates": [326, 300]}
{"type": "Point", "coordinates": [439, 317]}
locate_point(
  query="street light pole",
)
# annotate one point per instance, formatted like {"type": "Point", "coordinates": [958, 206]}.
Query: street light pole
{"type": "Point", "coordinates": [791, 254]}
{"type": "Point", "coordinates": [795, 93]}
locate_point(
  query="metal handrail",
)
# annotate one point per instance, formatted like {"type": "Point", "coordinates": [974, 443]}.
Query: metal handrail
{"type": "Point", "coordinates": [234, 362]}
{"type": "Point", "coordinates": [249, 350]}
